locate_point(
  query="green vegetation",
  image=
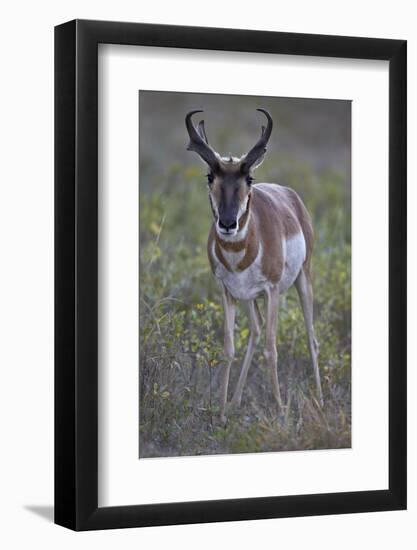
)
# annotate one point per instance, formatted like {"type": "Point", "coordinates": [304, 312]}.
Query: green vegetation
{"type": "Point", "coordinates": [181, 319]}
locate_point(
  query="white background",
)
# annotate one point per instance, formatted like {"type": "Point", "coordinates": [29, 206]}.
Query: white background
{"type": "Point", "coordinates": [26, 179]}
{"type": "Point", "coordinates": [123, 479]}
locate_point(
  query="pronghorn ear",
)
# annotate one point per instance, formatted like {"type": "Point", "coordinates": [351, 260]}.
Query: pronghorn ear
{"type": "Point", "coordinates": [258, 162]}
{"type": "Point", "coordinates": [246, 169]}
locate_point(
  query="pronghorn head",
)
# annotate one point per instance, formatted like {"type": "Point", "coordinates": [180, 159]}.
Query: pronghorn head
{"type": "Point", "coordinates": [229, 178]}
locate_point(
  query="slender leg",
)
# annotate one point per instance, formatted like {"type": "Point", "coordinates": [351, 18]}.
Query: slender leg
{"type": "Point", "coordinates": [228, 348]}
{"type": "Point", "coordinates": [255, 331]}
{"type": "Point", "coordinates": [272, 304]}
{"type": "Point", "coordinates": [305, 292]}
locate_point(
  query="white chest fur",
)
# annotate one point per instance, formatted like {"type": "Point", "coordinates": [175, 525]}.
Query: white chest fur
{"type": "Point", "coordinates": [249, 283]}
{"type": "Point", "coordinates": [242, 285]}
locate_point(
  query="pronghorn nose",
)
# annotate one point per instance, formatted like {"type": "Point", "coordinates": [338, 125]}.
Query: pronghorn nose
{"type": "Point", "coordinates": [228, 224]}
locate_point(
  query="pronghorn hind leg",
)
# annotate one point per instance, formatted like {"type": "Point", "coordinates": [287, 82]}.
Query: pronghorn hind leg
{"type": "Point", "coordinates": [228, 348]}
{"type": "Point", "coordinates": [305, 293]}
{"type": "Point", "coordinates": [272, 306]}
{"type": "Point", "coordinates": [255, 321]}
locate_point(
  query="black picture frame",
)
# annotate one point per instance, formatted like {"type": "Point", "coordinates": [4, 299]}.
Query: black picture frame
{"type": "Point", "coordinates": [76, 272]}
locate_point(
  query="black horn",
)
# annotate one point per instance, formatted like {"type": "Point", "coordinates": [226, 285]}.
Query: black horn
{"type": "Point", "coordinates": [259, 149]}
{"type": "Point", "coordinates": [198, 141]}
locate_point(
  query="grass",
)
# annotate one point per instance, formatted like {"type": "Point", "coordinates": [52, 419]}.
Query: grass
{"type": "Point", "coordinates": [181, 322]}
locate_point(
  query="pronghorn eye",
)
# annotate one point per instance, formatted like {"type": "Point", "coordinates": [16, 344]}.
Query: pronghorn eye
{"type": "Point", "coordinates": [210, 178]}
{"type": "Point", "coordinates": [249, 180]}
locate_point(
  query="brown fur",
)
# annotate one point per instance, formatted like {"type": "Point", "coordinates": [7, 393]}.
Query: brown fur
{"type": "Point", "coordinates": [251, 249]}
{"type": "Point", "coordinates": [220, 257]}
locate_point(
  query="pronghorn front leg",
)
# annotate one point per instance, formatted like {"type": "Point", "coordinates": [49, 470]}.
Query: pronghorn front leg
{"type": "Point", "coordinates": [272, 305]}
{"type": "Point", "coordinates": [228, 348]}
{"type": "Point", "coordinates": [255, 321]}
{"type": "Point", "coordinates": [305, 292]}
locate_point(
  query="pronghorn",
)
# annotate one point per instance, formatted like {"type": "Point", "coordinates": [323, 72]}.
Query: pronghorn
{"type": "Point", "coordinates": [260, 243]}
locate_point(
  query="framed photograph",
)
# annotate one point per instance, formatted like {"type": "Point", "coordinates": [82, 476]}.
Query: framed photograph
{"type": "Point", "coordinates": [230, 255]}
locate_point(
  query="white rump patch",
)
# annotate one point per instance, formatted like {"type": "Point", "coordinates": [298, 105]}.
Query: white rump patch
{"type": "Point", "coordinates": [294, 253]}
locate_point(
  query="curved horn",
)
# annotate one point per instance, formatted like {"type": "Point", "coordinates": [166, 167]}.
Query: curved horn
{"type": "Point", "coordinates": [259, 148]}
{"type": "Point", "coordinates": [198, 142]}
